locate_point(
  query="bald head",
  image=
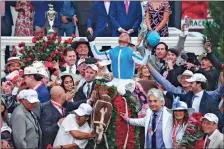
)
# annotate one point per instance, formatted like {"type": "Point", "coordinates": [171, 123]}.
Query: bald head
{"type": "Point", "coordinates": [57, 92]}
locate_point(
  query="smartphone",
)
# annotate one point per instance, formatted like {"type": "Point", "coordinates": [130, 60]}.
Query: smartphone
{"type": "Point", "coordinates": [74, 88]}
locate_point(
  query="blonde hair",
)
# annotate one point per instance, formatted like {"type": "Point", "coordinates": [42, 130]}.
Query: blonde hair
{"type": "Point", "coordinates": [139, 73]}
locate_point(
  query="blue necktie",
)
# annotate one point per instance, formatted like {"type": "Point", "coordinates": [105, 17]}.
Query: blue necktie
{"type": "Point", "coordinates": [153, 129]}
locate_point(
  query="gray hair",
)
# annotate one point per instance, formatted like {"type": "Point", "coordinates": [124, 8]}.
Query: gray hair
{"type": "Point", "coordinates": [157, 93]}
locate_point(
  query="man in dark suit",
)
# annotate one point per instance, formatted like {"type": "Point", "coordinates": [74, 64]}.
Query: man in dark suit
{"type": "Point", "coordinates": [83, 10]}
{"type": "Point", "coordinates": [52, 114]}
{"type": "Point", "coordinates": [100, 12]}
{"type": "Point", "coordinates": [6, 22]}
{"type": "Point", "coordinates": [198, 98]}
{"type": "Point", "coordinates": [126, 16]}
{"type": "Point", "coordinates": [85, 91]}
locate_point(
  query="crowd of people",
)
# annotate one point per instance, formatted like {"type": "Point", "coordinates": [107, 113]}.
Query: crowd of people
{"type": "Point", "coordinates": [45, 105]}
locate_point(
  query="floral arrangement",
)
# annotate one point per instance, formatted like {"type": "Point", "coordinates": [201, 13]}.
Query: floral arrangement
{"type": "Point", "coordinates": [193, 132]}
{"type": "Point", "coordinates": [46, 48]}
{"type": "Point", "coordinates": [117, 129]}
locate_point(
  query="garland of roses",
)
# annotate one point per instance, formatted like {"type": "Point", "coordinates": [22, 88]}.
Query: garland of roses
{"type": "Point", "coordinates": [117, 123]}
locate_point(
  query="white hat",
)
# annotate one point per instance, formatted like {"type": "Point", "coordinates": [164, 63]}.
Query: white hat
{"type": "Point", "coordinates": [185, 73]}
{"type": "Point", "coordinates": [43, 72]}
{"type": "Point", "coordinates": [12, 75]}
{"type": "Point", "coordinates": [180, 105]}
{"type": "Point", "coordinates": [84, 109]}
{"type": "Point", "coordinates": [30, 70]}
{"type": "Point", "coordinates": [211, 117]}
{"type": "Point", "coordinates": [197, 77]}
{"type": "Point", "coordinates": [13, 60]}
{"type": "Point", "coordinates": [93, 66]}
{"type": "Point", "coordinates": [75, 77]}
{"type": "Point", "coordinates": [38, 64]}
{"type": "Point", "coordinates": [104, 62]}
{"type": "Point", "coordinates": [80, 61]}
{"type": "Point", "coordinates": [30, 95]}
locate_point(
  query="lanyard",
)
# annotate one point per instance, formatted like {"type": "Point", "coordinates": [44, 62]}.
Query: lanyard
{"type": "Point", "coordinates": [156, 123]}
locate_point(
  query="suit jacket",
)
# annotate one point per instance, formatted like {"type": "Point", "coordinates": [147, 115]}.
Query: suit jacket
{"type": "Point", "coordinates": [41, 7]}
{"type": "Point", "coordinates": [80, 96]}
{"type": "Point", "coordinates": [167, 123]}
{"type": "Point", "coordinates": [207, 105]}
{"type": "Point", "coordinates": [83, 10]}
{"type": "Point", "coordinates": [25, 131]}
{"type": "Point", "coordinates": [217, 140]}
{"type": "Point", "coordinates": [48, 122]}
{"type": "Point", "coordinates": [8, 14]}
{"type": "Point", "coordinates": [103, 24]}
{"type": "Point", "coordinates": [119, 18]}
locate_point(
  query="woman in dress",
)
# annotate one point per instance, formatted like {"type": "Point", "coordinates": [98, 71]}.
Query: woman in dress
{"type": "Point", "coordinates": [157, 16]}
{"type": "Point", "coordinates": [24, 21]}
{"type": "Point", "coordinates": [180, 113]}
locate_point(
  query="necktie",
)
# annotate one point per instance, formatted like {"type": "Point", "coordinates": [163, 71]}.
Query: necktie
{"type": "Point", "coordinates": [126, 7]}
{"type": "Point", "coordinates": [88, 90]}
{"type": "Point", "coordinates": [153, 128]}
{"type": "Point", "coordinates": [207, 143]}
{"type": "Point", "coordinates": [70, 69]}
{"type": "Point", "coordinates": [2, 7]}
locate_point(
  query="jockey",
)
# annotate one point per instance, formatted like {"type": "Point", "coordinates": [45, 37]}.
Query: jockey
{"type": "Point", "coordinates": [123, 59]}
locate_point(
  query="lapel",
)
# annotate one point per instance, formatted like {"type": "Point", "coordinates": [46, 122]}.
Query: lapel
{"type": "Point", "coordinates": [202, 103]}
{"type": "Point", "coordinates": [214, 138]}
{"type": "Point", "coordinates": [102, 5]}
{"type": "Point", "coordinates": [166, 117]}
{"type": "Point", "coordinates": [54, 110]}
{"type": "Point", "coordinates": [29, 116]}
{"type": "Point", "coordinates": [148, 118]}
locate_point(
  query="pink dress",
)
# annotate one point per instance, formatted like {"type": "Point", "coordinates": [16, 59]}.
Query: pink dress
{"type": "Point", "coordinates": [24, 21]}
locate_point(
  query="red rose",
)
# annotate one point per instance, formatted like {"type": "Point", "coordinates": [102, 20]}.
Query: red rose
{"type": "Point", "coordinates": [40, 49]}
{"type": "Point", "coordinates": [44, 44]}
{"type": "Point", "coordinates": [34, 40]}
{"type": "Point", "coordinates": [222, 67]}
{"type": "Point", "coordinates": [41, 33]}
{"type": "Point", "coordinates": [22, 51]}
{"type": "Point", "coordinates": [59, 39]}
{"type": "Point", "coordinates": [50, 59]}
{"type": "Point", "coordinates": [48, 37]}
{"type": "Point", "coordinates": [52, 54]}
{"type": "Point", "coordinates": [63, 49]}
{"type": "Point", "coordinates": [14, 52]}
{"type": "Point", "coordinates": [73, 35]}
{"type": "Point", "coordinates": [31, 54]}
{"type": "Point", "coordinates": [54, 34]}
{"type": "Point", "coordinates": [21, 44]}
{"type": "Point", "coordinates": [56, 51]}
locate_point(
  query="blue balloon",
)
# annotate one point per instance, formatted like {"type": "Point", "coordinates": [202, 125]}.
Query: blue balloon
{"type": "Point", "coordinates": [153, 38]}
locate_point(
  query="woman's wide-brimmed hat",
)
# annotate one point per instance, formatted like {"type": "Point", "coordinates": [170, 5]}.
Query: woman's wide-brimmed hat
{"type": "Point", "coordinates": [180, 105]}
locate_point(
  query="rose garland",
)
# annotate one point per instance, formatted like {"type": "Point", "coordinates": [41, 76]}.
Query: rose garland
{"type": "Point", "coordinates": [117, 124]}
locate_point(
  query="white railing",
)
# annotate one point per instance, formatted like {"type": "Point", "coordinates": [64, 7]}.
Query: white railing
{"type": "Point", "coordinates": [194, 42]}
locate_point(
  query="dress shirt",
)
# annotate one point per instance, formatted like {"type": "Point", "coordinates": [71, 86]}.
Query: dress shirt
{"type": "Point", "coordinates": [36, 87]}
{"type": "Point", "coordinates": [85, 88]}
{"type": "Point", "coordinates": [68, 68]}
{"type": "Point", "coordinates": [159, 131]}
{"type": "Point", "coordinates": [57, 107]}
{"type": "Point", "coordinates": [107, 6]}
{"type": "Point", "coordinates": [210, 137]}
{"type": "Point", "coordinates": [197, 100]}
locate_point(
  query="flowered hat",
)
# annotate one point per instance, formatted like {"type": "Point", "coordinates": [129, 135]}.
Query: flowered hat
{"type": "Point", "coordinates": [180, 105]}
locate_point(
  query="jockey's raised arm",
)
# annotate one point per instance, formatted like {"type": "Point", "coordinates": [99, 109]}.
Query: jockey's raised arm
{"type": "Point", "coordinates": [97, 54]}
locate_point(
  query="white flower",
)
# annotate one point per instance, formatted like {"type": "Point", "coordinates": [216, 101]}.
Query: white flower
{"type": "Point", "coordinates": [45, 39]}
